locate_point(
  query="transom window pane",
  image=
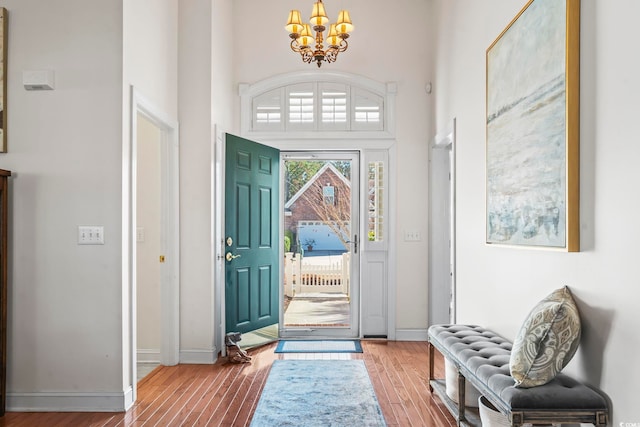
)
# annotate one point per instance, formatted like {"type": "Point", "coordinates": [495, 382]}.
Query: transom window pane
{"type": "Point", "coordinates": [367, 111]}
{"type": "Point", "coordinates": [367, 114]}
{"type": "Point", "coordinates": [301, 107]}
{"type": "Point", "coordinates": [334, 107]}
{"type": "Point", "coordinates": [267, 110]}
{"type": "Point", "coordinates": [266, 114]}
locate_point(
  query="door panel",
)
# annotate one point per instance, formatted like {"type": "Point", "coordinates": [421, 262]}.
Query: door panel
{"type": "Point", "coordinates": [251, 223]}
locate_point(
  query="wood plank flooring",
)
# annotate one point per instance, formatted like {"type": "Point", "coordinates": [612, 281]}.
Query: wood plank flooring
{"type": "Point", "coordinates": [226, 394]}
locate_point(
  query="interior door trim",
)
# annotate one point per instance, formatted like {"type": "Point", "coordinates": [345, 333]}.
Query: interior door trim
{"type": "Point", "coordinates": [170, 292]}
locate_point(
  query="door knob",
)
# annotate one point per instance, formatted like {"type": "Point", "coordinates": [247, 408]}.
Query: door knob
{"type": "Point", "coordinates": [231, 256]}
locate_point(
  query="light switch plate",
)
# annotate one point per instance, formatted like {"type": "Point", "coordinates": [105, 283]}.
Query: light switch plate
{"type": "Point", "coordinates": [90, 235]}
{"type": "Point", "coordinates": [412, 236]}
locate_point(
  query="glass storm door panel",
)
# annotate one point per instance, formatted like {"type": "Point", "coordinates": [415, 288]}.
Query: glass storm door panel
{"type": "Point", "coordinates": [320, 289]}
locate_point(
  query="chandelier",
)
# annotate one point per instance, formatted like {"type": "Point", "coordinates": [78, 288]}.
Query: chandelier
{"type": "Point", "coordinates": [302, 40]}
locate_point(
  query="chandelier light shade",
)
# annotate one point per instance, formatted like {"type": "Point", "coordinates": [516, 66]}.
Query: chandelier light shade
{"type": "Point", "coordinates": [302, 38]}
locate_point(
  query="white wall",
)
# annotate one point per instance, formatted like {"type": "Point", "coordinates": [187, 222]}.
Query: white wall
{"type": "Point", "coordinates": [69, 320]}
{"type": "Point", "coordinates": [150, 50]}
{"type": "Point", "coordinates": [64, 326]}
{"type": "Point", "coordinates": [377, 52]}
{"type": "Point", "coordinates": [150, 64]}
{"type": "Point", "coordinates": [206, 104]}
{"type": "Point", "coordinates": [68, 325]}
{"type": "Point", "coordinates": [196, 326]}
{"type": "Point", "coordinates": [497, 286]}
{"type": "Point", "coordinates": [223, 89]}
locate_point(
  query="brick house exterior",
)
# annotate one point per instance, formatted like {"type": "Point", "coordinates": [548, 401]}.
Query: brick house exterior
{"type": "Point", "coordinates": [300, 208]}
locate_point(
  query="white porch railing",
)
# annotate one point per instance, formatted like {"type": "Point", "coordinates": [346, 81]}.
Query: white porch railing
{"type": "Point", "coordinates": [303, 277]}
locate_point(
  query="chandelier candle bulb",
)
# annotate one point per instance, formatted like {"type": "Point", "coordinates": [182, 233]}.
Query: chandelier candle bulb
{"type": "Point", "coordinates": [305, 39]}
{"type": "Point", "coordinates": [332, 38]}
{"type": "Point", "coordinates": [302, 38]}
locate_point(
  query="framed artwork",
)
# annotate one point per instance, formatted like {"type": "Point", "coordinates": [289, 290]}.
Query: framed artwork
{"type": "Point", "coordinates": [533, 129]}
{"type": "Point", "coordinates": [3, 80]}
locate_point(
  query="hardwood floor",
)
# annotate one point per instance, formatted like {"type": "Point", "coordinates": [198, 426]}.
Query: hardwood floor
{"type": "Point", "coordinates": [226, 394]}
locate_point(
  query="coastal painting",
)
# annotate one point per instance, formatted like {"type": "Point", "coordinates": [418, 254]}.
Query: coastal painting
{"type": "Point", "coordinates": [3, 81]}
{"type": "Point", "coordinates": [532, 136]}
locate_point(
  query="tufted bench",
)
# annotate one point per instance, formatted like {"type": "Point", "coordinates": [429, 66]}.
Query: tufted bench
{"type": "Point", "coordinates": [482, 358]}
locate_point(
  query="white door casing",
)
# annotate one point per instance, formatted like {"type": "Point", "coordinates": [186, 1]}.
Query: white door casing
{"type": "Point", "coordinates": [170, 248]}
{"type": "Point", "coordinates": [442, 250]}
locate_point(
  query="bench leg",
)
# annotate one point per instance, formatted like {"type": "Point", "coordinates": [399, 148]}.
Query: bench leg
{"type": "Point", "coordinates": [431, 366]}
{"type": "Point", "coordinates": [601, 419]}
{"type": "Point", "coordinates": [461, 397]}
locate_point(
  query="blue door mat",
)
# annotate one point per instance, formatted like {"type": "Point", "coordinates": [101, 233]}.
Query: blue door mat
{"type": "Point", "coordinates": [319, 346]}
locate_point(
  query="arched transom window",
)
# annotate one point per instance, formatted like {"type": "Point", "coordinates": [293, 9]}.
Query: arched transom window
{"type": "Point", "coordinates": [335, 104]}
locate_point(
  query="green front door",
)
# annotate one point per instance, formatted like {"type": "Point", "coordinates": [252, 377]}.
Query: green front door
{"type": "Point", "coordinates": [252, 235]}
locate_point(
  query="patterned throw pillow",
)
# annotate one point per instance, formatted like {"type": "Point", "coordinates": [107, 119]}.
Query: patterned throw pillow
{"type": "Point", "coordinates": [547, 340]}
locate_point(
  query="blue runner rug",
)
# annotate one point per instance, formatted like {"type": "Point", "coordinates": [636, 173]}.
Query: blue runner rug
{"type": "Point", "coordinates": [319, 346]}
{"type": "Point", "coordinates": [318, 393]}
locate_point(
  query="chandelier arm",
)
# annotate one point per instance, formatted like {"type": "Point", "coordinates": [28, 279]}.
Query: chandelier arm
{"type": "Point", "coordinates": [343, 46]}
{"type": "Point", "coordinates": [295, 47]}
{"type": "Point", "coordinates": [307, 55]}
{"type": "Point", "coordinates": [332, 54]}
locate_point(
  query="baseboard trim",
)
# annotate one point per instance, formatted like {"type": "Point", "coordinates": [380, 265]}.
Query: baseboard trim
{"type": "Point", "coordinates": [411, 335]}
{"type": "Point", "coordinates": [199, 357]}
{"type": "Point", "coordinates": [70, 402]}
{"type": "Point", "coordinates": [148, 355]}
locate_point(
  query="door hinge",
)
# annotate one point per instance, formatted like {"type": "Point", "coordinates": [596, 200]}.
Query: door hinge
{"type": "Point", "coordinates": [355, 243]}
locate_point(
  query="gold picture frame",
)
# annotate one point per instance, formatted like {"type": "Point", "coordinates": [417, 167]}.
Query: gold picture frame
{"type": "Point", "coordinates": [3, 80]}
{"type": "Point", "coordinates": [533, 129]}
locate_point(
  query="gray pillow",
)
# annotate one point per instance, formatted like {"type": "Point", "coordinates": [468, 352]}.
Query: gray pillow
{"type": "Point", "coordinates": [547, 340]}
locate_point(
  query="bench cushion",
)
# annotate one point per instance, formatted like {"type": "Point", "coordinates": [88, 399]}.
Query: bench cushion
{"type": "Point", "coordinates": [483, 357]}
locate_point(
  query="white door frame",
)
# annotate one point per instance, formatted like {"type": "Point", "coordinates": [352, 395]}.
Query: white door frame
{"type": "Point", "coordinates": [217, 239]}
{"type": "Point", "coordinates": [354, 330]}
{"type": "Point", "coordinates": [170, 239]}
{"type": "Point", "coordinates": [443, 268]}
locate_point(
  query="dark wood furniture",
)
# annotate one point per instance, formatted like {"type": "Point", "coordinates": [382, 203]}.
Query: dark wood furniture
{"type": "Point", "coordinates": [4, 209]}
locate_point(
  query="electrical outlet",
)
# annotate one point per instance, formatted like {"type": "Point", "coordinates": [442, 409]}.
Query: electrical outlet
{"type": "Point", "coordinates": [90, 235]}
